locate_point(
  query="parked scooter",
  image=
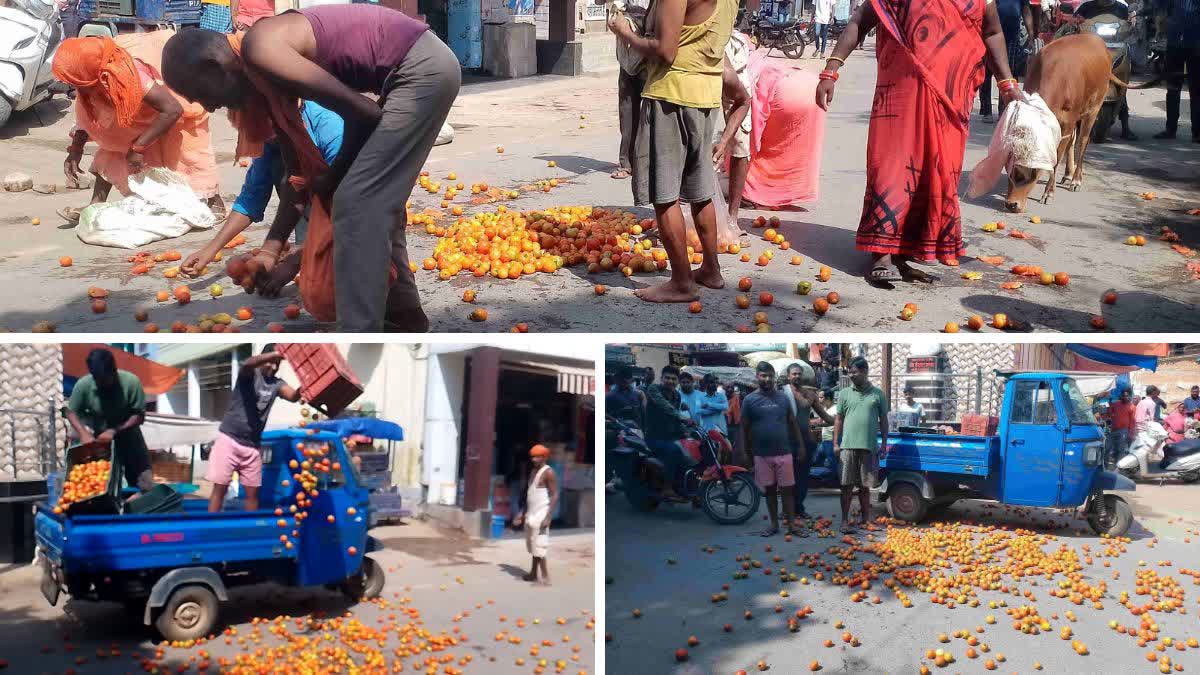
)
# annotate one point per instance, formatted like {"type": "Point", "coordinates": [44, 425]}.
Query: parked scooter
{"type": "Point", "coordinates": [726, 493]}
{"type": "Point", "coordinates": [30, 31]}
{"type": "Point", "coordinates": [1150, 457]}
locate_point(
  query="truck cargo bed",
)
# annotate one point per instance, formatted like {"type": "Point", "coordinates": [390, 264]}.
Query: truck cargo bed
{"type": "Point", "coordinates": [965, 455]}
{"type": "Point", "coordinates": [132, 542]}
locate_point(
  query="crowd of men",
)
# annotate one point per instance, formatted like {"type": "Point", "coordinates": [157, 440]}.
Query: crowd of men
{"type": "Point", "coordinates": [1128, 416]}
{"type": "Point", "coordinates": [776, 428]}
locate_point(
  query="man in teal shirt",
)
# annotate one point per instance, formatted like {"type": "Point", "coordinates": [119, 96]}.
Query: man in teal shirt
{"type": "Point", "coordinates": [109, 405]}
{"type": "Point", "coordinates": [859, 434]}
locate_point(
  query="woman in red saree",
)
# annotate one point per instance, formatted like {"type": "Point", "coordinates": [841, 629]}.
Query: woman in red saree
{"type": "Point", "coordinates": [930, 57]}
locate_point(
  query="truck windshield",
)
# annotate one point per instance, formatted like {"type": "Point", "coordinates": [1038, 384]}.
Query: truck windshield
{"type": "Point", "coordinates": [1079, 411]}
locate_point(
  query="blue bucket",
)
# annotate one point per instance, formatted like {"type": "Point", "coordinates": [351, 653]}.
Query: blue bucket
{"type": "Point", "coordinates": [497, 527]}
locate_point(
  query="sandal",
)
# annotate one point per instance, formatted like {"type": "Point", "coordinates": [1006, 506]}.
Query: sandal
{"type": "Point", "coordinates": [769, 532]}
{"type": "Point", "coordinates": [620, 174]}
{"type": "Point", "coordinates": [884, 274]}
{"type": "Point", "coordinates": [69, 214]}
{"type": "Point", "coordinates": [847, 528]}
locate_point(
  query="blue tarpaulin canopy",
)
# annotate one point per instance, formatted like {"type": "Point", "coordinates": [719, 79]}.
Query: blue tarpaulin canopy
{"type": "Point", "coordinates": [1114, 358]}
{"type": "Point", "coordinates": [364, 426]}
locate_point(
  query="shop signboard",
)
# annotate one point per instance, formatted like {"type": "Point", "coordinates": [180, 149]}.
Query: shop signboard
{"type": "Point", "coordinates": [595, 11]}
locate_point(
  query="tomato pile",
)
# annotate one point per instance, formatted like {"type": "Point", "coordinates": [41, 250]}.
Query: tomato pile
{"type": "Point", "coordinates": [85, 480]}
{"type": "Point", "coordinates": [506, 244]}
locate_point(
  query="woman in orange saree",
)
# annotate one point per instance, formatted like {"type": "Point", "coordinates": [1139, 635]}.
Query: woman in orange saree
{"type": "Point", "coordinates": [931, 60]}
{"type": "Point", "coordinates": [136, 121]}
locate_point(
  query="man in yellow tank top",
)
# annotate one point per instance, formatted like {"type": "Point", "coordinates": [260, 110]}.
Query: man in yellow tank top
{"type": "Point", "coordinates": [672, 158]}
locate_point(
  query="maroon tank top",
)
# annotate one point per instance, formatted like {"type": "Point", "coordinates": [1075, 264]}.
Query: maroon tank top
{"type": "Point", "coordinates": [362, 44]}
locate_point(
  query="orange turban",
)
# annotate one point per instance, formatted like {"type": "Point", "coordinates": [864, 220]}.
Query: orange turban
{"type": "Point", "coordinates": [539, 451]}
{"type": "Point", "coordinates": [96, 64]}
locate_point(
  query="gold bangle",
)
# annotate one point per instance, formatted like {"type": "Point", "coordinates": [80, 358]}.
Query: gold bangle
{"type": "Point", "coordinates": [836, 58]}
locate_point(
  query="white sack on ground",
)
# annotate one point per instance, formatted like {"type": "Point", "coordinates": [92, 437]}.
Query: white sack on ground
{"type": "Point", "coordinates": [162, 206]}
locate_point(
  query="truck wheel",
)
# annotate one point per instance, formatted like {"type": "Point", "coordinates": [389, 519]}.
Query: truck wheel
{"type": "Point", "coordinates": [6, 111]}
{"type": "Point", "coordinates": [906, 503]}
{"type": "Point", "coordinates": [1120, 517]}
{"type": "Point", "coordinates": [189, 614]}
{"type": "Point", "coordinates": [372, 578]}
{"type": "Point", "coordinates": [365, 585]}
{"type": "Point", "coordinates": [1189, 477]}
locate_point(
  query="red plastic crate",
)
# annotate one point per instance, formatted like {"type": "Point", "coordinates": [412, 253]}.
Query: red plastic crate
{"type": "Point", "coordinates": [326, 380]}
{"type": "Point", "coordinates": [979, 425]}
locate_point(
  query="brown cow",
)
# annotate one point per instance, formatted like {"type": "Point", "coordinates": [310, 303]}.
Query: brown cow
{"type": "Point", "coordinates": [1071, 75]}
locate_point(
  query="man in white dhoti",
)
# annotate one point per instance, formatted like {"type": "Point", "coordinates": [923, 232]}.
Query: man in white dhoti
{"type": "Point", "coordinates": [540, 500]}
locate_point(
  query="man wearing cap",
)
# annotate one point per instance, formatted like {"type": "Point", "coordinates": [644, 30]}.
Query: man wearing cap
{"type": "Point", "coordinates": [540, 501]}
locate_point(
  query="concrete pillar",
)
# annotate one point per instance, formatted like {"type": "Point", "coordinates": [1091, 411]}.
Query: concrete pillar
{"type": "Point", "coordinates": [443, 406]}
{"type": "Point", "coordinates": [562, 20]}
{"type": "Point", "coordinates": [193, 390]}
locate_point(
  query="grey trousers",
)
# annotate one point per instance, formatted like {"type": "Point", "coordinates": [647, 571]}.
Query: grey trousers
{"type": "Point", "coordinates": [629, 109]}
{"type": "Point", "coordinates": [368, 207]}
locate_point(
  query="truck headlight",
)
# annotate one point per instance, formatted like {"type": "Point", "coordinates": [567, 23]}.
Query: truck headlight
{"type": "Point", "coordinates": [1092, 453]}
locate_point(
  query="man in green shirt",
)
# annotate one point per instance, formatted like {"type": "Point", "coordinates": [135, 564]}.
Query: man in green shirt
{"type": "Point", "coordinates": [109, 405]}
{"type": "Point", "coordinates": [861, 422]}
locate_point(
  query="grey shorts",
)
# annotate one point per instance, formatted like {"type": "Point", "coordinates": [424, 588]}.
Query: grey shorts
{"type": "Point", "coordinates": [672, 158]}
{"type": "Point", "coordinates": [858, 468]}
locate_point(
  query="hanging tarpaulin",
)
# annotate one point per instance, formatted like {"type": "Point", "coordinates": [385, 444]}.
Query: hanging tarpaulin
{"type": "Point", "coordinates": [155, 377]}
{"type": "Point", "coordinates": [1117, 355]}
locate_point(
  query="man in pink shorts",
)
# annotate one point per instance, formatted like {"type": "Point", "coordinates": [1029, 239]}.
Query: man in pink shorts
{"type": "Point", "coordinates": [240, 434]}
{"type": "Point", "coordinates": [769, 434]}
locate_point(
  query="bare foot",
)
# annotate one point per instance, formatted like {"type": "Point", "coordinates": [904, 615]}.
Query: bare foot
{"type": "Point", "coordinates": [708, 278]}
{"type": "Point", "coordinates": [542, 582]}
{"type": "Point", "coordinates": [668, 292]}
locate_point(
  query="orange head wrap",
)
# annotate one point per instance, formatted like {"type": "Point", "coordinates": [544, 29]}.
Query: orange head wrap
{"type": "Point", "coordinates": [96, 66]}
{"type": "Point", "coordinates": [539, 451]}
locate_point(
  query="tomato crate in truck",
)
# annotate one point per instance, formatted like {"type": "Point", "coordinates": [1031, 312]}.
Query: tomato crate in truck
{"type": "Point", "coordinates": [106, 498]}
{"type": "Point", "coordinates": [326, 380]}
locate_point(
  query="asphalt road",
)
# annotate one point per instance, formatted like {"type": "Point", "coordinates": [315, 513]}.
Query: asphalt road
{"type": "Point", "coordinates": [669, 564]}
{"type": "Point", "coordinates": [573, 122]}
{"type": "Point", "coordinates": [438, 586]}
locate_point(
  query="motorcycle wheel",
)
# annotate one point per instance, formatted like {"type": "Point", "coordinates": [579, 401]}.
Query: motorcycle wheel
{"type": "Point", "coordinates": [1189, 477]}
{"type": "Point", "coordinates": [794, 48]}
{"type": "Point", "coordinates": [6, 111]}
{"type": "Point", "coordinates": [1104, 121]}
{"type": "Point", "coordinates": [717, 498]}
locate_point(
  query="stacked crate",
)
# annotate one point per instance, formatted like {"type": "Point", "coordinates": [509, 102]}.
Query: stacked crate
{"type": "Point", "coordinates": [326, 381]}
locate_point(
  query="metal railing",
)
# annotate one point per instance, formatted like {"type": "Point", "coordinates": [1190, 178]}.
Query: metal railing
{"type": "Point", "coordinates": [46, 424]}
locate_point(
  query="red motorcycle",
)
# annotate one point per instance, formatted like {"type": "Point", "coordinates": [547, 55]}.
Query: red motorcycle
{"type": "Point", "coordinates": [726, 493]}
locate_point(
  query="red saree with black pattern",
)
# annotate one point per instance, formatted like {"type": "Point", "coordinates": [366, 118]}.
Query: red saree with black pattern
{"type": "Point", "coordinates": [930, 56]}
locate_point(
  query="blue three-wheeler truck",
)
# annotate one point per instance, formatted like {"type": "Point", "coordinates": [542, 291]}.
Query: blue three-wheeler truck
{"type": "Point", "coordinates": [1047, 452]}
{"type": "Point", "coordinates": [173, 569]}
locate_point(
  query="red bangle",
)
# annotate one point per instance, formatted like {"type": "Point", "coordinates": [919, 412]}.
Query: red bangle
{"type": "Point", "coordinates": [1006, 85]}
{"type": "Point", "coordinates": [139, 149]}
{"type": "Point", "coordinates": [828, 75]}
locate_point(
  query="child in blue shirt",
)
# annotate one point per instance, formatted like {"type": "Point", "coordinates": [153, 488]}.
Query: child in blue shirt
{"type": "Point", "coordinates": [267, 173]}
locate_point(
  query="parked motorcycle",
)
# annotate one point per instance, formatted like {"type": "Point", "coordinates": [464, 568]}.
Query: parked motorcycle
{"type": "Point", "coordinates": [1150, 457]}
{"type": "Point", "coordinates": [726, 493]}
{"type": "Point", "coordinates": [789, 38]}
{"type": "Point", "coordinates": [30, 31]}
{"type": "Point", "coordinates": [1111, 24]}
